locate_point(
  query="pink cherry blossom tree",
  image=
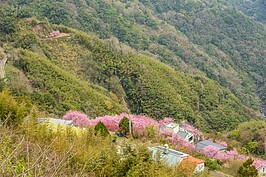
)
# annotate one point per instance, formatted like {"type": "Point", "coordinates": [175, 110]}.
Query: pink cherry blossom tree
{"type": "Point", "coordinates": [166, 121]}
{"type": "Point", "coordinates": [166, 132]}
{"type": "Point", "coordinates": [222, 143]}
{"type": "Point", "coordinates": [139, 122]}
{"type": "Point", "coordinates": [79, 119]}
{"type": "Point", "coordinates": [178, 141]}
{"type": "Point", "coordinates": [210, 151]}
{"type": "Point", "coordinates": [197, 134]}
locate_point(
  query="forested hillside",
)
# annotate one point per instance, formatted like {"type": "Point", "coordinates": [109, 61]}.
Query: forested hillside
{"type": "Point", "coordinates": [199, 39]}
{"type": "Point", "coordinates": [203, 37]}
{"type": "Point", "coordinates": [254, 8]}
{"type": "Point", "coordinates": [78, 71]}
{"type": "Point", "coordinates": [117, 73]}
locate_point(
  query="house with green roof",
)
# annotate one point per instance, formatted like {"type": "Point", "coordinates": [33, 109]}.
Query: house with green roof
{"type": "Point", "coordinates": [186, 135]}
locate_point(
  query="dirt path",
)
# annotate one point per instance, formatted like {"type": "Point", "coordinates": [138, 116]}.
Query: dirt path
{"type": "Point", "coordinates": [218, 174]}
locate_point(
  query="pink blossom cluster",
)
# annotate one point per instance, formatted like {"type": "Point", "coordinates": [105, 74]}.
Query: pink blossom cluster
{"type": "Point", "coordinates": [166, 132]}
{"type": "Point", "coordinates": [79, 119]}
{"type": "Point", "coordinates": [259, 163]}
{"type": "Point", "coordinates": [214, 152]}
{"type": "Point", "coordinates": [210, 151]}
{"type": "Point", "coordinates": [139, 122]}
{"type": "Point", "coordinates": [166, 121]}
{"type": "Point", "coordinates": [197, 134]}
{"type": "Point", "coordinates": [54, 34]}
{"type": "Point", "coordinates": [222, 143]}
{"type": "Point", "coordinates": [111, 122]}
{"type": "Point", "coordinates": [178, 141]}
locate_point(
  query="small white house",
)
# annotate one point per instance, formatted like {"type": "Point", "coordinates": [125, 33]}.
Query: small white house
{"type": "Point", "coordinates": [260, 165]}
{"type": "Point", "coordinates": [262, 170]}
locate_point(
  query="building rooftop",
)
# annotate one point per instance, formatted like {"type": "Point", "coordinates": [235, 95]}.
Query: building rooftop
{"type": "Point", "coordinates": [193, 160]}
{"type": "Point", "coordinates": [202, 144]}
{"type": "Point", "coordinates": [182, 133]}
{"type": "Point", "coordinates": [55, 121]}
{"type": "Point", "coordinates": [172, 157]}
{"type": "Point", "coordinates": [172, 125]}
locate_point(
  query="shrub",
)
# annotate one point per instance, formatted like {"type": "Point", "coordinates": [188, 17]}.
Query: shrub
{"type": "Point", "coordinates": [101, 129]}
{"type": "Point", "coordinates": [247, 169]}
{"type": "Point", "coordinates": [212, 164]}
{"type": "Point", "coordinates": [124, 125]}
{"type": "Point", "coordinates": [11, 112]}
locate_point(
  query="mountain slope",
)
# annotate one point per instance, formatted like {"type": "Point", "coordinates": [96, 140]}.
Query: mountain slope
{"type": "Point", "coordinates": [64, 72]}
{"type": "Point", "coordinates": [255, 8]}
{"type": "Point", "coordinates": [203, 37]}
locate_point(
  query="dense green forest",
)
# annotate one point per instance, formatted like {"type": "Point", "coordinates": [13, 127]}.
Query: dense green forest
{"type": "Point", "coordinates": [205, 37]}
{"type": "Point", "coordinates": [201, 40]}
{"type": "Point", "coordinates": [105, 78]}
{"type": "Point", "coordinates": [254, 8]}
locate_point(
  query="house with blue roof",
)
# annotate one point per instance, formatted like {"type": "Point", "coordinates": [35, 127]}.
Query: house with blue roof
{"type": "Point", "coordinates": [202, 144]}
{"type": "Point", "coordinates": [170, 156]}
{"type": "Point", "coordinates": [173, 158]}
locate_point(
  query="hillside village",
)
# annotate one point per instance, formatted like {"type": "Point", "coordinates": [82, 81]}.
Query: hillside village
{"type": "Point", "coordinates": [142, 88]}
{"type": "Point", "coordinates": [179, 135]}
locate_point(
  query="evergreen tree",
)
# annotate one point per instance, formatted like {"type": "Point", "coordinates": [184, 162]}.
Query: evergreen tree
{"type": "Point", "coordinates": [101, 128]}
{"type": "Point", "coordinates": [247, 169]}
{"type": "Point", "coordinates": [124, 125]}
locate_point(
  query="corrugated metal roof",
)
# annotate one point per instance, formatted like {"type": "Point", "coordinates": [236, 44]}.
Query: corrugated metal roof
{"type": "Point", "coordinates": [202, 144]}
{"type": "Point", "coordinates": [172, 158]}
{"type": "Point", "coordinates": [55, 121]}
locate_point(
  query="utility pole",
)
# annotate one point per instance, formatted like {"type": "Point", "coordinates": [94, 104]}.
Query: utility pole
{"type": "Point", "coordinates": [130, 130]}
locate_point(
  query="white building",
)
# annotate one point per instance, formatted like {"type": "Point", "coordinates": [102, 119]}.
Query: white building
{"type": "Point", "coordinates": [173, 158]}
